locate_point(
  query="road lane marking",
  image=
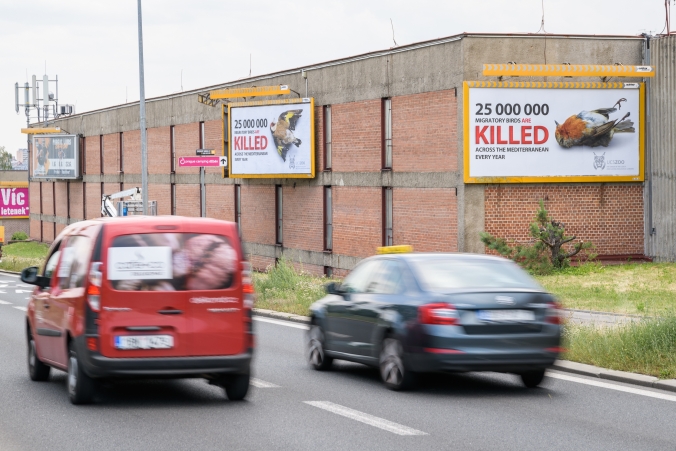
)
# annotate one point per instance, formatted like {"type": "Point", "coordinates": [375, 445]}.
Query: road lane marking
{"type": "Point", "coordinates": [635, 391]}
{"type": "Point", "coordinates": [365, 418]}
{"type": "Point", "coordinates": [5, 303]}
{"type": "Point", "coordinates": [23, 309]}
{"type": "Point", "coordinates": [262, 384]}
{"type": "Point", "coordinates": [281, 323]}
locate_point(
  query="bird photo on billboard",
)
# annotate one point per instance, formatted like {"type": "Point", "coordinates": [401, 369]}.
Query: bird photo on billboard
{"type": "Point", "coordinates": [282, 131]}
{"type": "Point", "coordinates": [593, 128]}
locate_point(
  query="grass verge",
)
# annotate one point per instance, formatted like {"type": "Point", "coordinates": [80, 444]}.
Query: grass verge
{"type": "Point", "coordinates": [646, 347]}
{"type": "Point", "coordinates": [17, 256]}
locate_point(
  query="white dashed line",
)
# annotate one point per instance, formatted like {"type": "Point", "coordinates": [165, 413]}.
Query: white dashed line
{"type": "Point", "coordinates": [23, 309]}
{"type": "Point", "coordinates": [365, 418]}
{"type": "Point", "coordinates": [5, 303]}
{"type": "Point", "coordinates": [262, 384]}
{"type": "Point", "coordinates": [635, 391]}
{"type": "Point", "coordinates": [281, 323]}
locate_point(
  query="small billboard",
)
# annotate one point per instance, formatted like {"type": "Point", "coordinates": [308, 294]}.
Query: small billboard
{"type": "Point", "coordinates": [271, 139]}
{"type": "Point", "coordinates": [14, 200]}
{"type": "Point", "coordinates": [55, 157]}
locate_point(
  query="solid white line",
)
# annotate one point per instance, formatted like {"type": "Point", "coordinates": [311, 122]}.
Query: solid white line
{"type": "Point", "coordinates": [5, 303]}
{"type": "Point", "coordinates": [635, 391]}
{"type": "Point", "coordinates": [281, 323]}
{"type": "Point", "coordinates": [262, 384]}
{"type": "Point", "coordinates": [20, 308]}
{"type": "Point", "coordinates": [365, 418]}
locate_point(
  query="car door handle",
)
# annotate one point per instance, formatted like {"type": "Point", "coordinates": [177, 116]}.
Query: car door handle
{"type": "Point", "coordinates": [170, 312]}
{"type": "Point", "coordinates": [143, 328]}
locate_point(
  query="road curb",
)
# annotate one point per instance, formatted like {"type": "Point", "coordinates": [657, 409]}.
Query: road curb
{"type": "Point", "coordinates": [14, 273]}
{"type": "Point", "coordinates": [613, 375]}
{"type": "Point", "coordinates": [283, 316]}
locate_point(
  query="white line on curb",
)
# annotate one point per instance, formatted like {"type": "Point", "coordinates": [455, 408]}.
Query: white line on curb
{"type": "Point", "coordinates": [281, 323]}
{"type": "Point", "coordinates": [365, 418]}
{"type": "Point", "coordinates": [262, 384]}
{"type": "Point", "coordinates": [635, 391]}
{"type": "Point", "coordinates": [5, 303]}
{"type": "Point", "coordinates": [23, 309]}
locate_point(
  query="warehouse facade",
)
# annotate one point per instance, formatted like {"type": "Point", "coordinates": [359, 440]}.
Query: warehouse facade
{"type": "Point", "coordinates": [389, 160]}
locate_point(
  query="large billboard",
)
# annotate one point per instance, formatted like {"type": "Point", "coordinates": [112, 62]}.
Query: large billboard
{"type": "Point", "coordinates": [553, 132]}
{"type": "Point", "coordinates": [14, 200]}
{"type": "Point", "coordinates": [55, 157]}
{"type": "Point", "coordinates": [271, 139]}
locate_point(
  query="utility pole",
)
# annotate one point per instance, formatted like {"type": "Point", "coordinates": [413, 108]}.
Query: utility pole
{"type": "Point", "coordinates": [142, 125]}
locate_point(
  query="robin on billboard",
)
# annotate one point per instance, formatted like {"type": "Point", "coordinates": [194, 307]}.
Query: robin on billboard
{"type": "Point", "coordinates": [593, 128]}
{"type": "Point", "coordinates": [282, 131]}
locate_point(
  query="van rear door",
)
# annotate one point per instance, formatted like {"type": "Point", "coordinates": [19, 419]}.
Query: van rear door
{"type": "Point", "coordinates": [214, 288]}
{"type": "Point", "coordinates": [144, 311]}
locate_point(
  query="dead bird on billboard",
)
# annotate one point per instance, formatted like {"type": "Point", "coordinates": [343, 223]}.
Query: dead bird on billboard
{"type": "Point", "coordinates": [282, 131]}
{"type": "Point", "coordinates": [592, 128]}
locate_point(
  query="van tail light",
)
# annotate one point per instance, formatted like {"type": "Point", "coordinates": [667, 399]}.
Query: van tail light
{"type": "Point", "coordinates": [93, 343]}
{"type": "Point", "coordinates": [249, 297]}
{"type": "Point", "coordinates": [94, 287]}
{"type": "Point", "coordinates": [439, 313]}
{"type": "Point", "coordinates": [247, 281]}
{"type": "Point", "coordinates": [554, 313]}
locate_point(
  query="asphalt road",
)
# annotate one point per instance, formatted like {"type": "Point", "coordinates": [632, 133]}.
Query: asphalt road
{"type": "Point", "coordinates": [295, 408]}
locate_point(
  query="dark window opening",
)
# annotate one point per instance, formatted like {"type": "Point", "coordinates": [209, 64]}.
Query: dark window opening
{"type": "Point", "coordinates": [173, 198]}
{"type": "Point", "coordinates": [101, 154]}
{"type": "Point", "coordinates": [328, 218]}
{"type": "Point", "coordinates": [278, 213]}
{"type": "Point", "coordinates": [387, 133]}
{"type": "Point", "coordinates": [328, 271]}
{"type": "Point", "coordinates": [327, 137]}
{"type": "Point", "coordinates": [172, 148]}
{"type": "Point", "coordinates": [238, 208]}
{"type": "Point", "coordinates": [121, 154]}
{"type": "Point", "coordinates": [388, 236]}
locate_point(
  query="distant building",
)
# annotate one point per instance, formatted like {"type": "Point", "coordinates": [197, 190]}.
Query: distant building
{"type": "Point", "coordinates": [20, 161]}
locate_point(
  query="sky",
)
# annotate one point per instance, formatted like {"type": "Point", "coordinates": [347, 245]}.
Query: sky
{"type": "Point", "coordinates": [92, 45]}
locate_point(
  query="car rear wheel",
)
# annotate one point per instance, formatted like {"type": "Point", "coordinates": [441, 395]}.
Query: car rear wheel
{"type": "Point", "coordinates": [316, 353]}
{"type": "Point", "coordinates": [237, 386]}
{"type": "Point", "coordinates": [532, 379]}
{"type": "Point", "coordinates": [37, 370]}
{"type": "Point", "coordinates": [393, 371]}
{"type": "Point", "coordinates": [81, 388]}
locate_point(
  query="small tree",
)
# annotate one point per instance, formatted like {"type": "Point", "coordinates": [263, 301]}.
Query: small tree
{"type": "Point", "coordinates": [5, 160]}
{"type": "Point", "coordinates": [548, 249]}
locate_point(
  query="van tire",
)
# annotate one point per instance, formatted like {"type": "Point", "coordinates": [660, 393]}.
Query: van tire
{"type": "Point", "coordinates": [37, 370]}
{"type": "Point", "coordinates": [81, 387]}
{"type": "Point", "coordinates": [237, 386]}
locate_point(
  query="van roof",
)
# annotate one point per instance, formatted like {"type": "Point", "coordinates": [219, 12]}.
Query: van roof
{"type": "Point", "coordinates": [148, 221]}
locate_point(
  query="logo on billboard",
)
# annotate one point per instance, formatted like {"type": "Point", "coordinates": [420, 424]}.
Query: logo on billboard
{"type": "Point", "coordinates": [600, 161]}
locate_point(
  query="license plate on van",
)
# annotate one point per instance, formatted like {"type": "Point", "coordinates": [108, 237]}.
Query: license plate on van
{"type": "Point", "coordinates": [126, 342]}
{"type": "Point", "coordinates": [505, 315]}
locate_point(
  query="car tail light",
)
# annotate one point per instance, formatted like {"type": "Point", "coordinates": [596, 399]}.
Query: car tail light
{"type": "Point", "coordinates": [94, 287]}
{"type": "Point", "coordinates": [92, 343]}
{"type": "Point", "coordinates": [439, 313]}
{"type": "Point", "coordinates": [554, 313]}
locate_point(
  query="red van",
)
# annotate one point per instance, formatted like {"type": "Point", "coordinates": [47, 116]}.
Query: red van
{"type": "Point", "coordinates": [142, 297]}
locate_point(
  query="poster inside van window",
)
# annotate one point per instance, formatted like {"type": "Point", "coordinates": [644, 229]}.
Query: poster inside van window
{"type": "Point", "coordinates": [55, 157]}
{"type": "Point", "coordinates": [171, 262]}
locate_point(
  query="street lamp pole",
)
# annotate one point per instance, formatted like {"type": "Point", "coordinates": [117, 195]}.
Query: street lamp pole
{"type": "Point", "coordinates": [142, 125]}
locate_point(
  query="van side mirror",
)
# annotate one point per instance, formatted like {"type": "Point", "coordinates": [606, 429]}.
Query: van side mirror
{"type": "Point", "coordinates": [30, 276]}
{"type": "Point", "coordinates": [333, 288]}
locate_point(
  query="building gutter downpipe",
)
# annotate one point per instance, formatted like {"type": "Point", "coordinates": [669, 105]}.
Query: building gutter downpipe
{"type": "Point", "coordinates": [648, 145]}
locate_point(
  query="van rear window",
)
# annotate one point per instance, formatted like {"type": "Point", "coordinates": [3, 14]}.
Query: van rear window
{"type": "Point", "coordinates": [171, 262]}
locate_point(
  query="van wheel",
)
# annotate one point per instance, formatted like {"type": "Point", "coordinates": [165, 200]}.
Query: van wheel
{"type": "Point", "coordinates": [37, 370]}
{"type": "Point", "coordinates": [316, 353]}
{"type": "Point", "coordinates": [81, 388]}
{"type": "Point", "coordinates": [237, 386]}
{"type": "Point", "coordinates": [393, 372]}
{"type": "Point", "coordinates": [532, 379]}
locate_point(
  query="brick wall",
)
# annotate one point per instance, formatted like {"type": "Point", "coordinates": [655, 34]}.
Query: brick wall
{"type": "Point", "coordinates": [47, 232]}
{"type": "Point", "coordinates": [47, 198]}
{"type": "Point", "coordinates": [76, 205]}
{"type": "Point", "coordinates": [610, 216]}
{"type": "Point", "coordinates": [159, 152]}
{"type": "Point", "coordinates": [35, 227]}
{"type": "Point", "coordinates": [160, 193]}
{"type": "Point", "coordinates": [424, 132]}
{"type": "Point", "coordinates": [306, 269]}
{"type": "Point", "coordinates": [61, 192]}
{"type": "Point", "coordinates": [357, 220]}
{"type": "Point", "coordinates": [258, 213]}
{"type": "Point", "coordinates": [16, 225]}
{"type": "Point", "coordinates": [303, 218]}
{"type": "Point", "coordinates": [356, 136]}
{"type": "Point", "coordinates": [187, 139]}
{"type": "Point", "coordinates": [260, 263]}
{"type": "Point", "coordinates": [425, 218]}
{"type": "Point", "coordinates": [93, 195]}
{"type": "Point", "coordinates": [111, 153]}
{"type": "Point", "coordinates": [132, 153]}
{"type": "Point", "coordinates": [221, 202]}
{"type": "Point", "coordinates": [213, 139]}
{"type": "Point", "coordinates": [188, 200]}
{"type": "Point", "coordinates": [93, 155]}
{"type": "Point", "coordinates": [34, 195]}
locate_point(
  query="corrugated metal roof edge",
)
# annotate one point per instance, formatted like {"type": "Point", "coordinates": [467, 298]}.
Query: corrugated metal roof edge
{"type": "Point", "coordinates": [350, 59]}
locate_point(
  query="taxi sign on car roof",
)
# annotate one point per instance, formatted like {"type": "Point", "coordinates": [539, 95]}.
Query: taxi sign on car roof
{"type": "Point", "coordinates": [401, 249]}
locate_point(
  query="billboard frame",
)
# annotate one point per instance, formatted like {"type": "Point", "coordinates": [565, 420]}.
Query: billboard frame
{"type": "Point", "coordinates": [309, 100]}
{"type": "Point", "coordinates": [553, 179]}
{"type": "Point", "coordinates": [77, 158]}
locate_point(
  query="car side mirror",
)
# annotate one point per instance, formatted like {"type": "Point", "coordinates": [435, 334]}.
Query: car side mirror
{"type": "Point", "coordinates": [333, 288]}
{"type": "Point", "coordinates": [30, 276]}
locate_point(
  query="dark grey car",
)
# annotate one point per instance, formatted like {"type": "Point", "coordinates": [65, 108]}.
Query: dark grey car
{"type": "Point", "coordinates": [411, 313]}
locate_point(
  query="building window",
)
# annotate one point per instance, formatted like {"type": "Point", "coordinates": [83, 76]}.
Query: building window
{"type": "Point", "coordinates": [83, 141]}
{"type": "Point", "coordinates": [387, 133]}
{"type": "Point", "coordinates": [327, 137]}
{"type": "Point", "coordinates": [121, 154]}
{"type": "Point", "coordinates": [173, 198]}
{"type": "Point", "coordinates": [201, 135]}
{"type": "Point", "coordinates": [278, 213]}
{"type": "Point", "coordinates": [328, 219]}
{"type": "Point", "coordinates": [388, 236]}
{"type": "Point", "coordinates": [172, 147]}
{"type": "Point", "coordinates": [238, 208]}
{"type": "Point", "coordinates": [101, 165]}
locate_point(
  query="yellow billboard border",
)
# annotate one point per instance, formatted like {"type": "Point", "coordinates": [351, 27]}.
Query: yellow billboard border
{"type": "Point", "coordinates": [311, 100]}
{"type": "Point", "coordinates": [567, 70]}
{"type": "Point", "coordinates": [554, 179]}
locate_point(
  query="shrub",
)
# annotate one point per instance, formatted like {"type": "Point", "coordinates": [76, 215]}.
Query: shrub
{"type": "Point", "coordinates": [19, 236]}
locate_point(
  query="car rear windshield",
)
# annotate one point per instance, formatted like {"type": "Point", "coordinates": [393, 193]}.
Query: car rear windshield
{"type": "Point", "coordinates": [171, 262]}
{"type": "Point", "coordinates": [444, 275]}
